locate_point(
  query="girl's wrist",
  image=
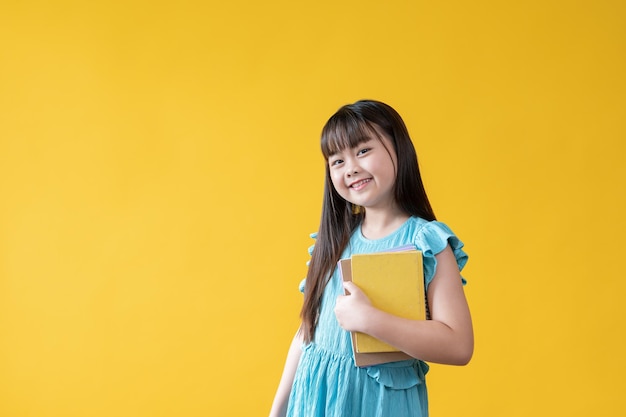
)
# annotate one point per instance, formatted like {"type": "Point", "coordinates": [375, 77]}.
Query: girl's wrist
{"type": "Point", "coordinates": [370, 318]}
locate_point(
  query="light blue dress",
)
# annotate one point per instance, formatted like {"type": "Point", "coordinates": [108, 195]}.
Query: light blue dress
{"type": "Point", "coordinates": [328, 383]}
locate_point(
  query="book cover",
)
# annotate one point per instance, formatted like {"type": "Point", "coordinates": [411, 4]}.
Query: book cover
{"type": "Point", "coordinates": [394, 282]}
{"type": "Point", "coordinates": [373, 358]}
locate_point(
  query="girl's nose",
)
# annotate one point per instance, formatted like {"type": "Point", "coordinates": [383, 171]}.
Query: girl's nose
{"type": "Point", "coordinates": [352, 168]}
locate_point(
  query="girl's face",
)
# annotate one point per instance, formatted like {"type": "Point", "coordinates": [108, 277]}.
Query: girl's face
{"type": "Point", "coordinates": [365, 175]}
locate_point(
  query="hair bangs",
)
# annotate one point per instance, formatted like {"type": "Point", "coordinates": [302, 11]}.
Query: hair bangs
{"type": "Point", "coordinates": [345, 130]}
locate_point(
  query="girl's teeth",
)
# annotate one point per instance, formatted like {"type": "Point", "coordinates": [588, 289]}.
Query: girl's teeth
{"type": "Point", "coordinates": [360, 183]}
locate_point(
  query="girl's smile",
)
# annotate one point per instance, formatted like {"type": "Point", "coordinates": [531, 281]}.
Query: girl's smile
{"type": "Point", "coordinates": [359, 185]}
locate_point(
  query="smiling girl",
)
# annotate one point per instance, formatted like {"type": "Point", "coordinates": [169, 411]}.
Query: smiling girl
{"type": "Point", "coordinates": [374, 201]}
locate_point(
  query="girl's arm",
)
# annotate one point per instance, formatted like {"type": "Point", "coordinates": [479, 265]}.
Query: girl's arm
{"type": "Point", "coordinates": [279, 406]}
{"type": "Point", "coordinates": [448, 338]}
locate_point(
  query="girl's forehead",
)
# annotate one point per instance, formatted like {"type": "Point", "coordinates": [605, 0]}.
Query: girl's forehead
{"type": "Point", "coordinates": [356, 144]}
{"type": "Point", "coordinates": [340, 139]}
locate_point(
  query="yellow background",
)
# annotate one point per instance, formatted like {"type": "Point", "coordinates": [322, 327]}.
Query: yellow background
{"type": "Point", "coordinates": [160, 173]}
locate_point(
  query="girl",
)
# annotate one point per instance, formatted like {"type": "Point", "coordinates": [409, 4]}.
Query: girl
{"type": "Point", "coordinates": [374, 200]}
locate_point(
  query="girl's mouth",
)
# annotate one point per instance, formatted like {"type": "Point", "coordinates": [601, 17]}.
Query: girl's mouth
{"type": "Point", "coordinates": [360, 184]}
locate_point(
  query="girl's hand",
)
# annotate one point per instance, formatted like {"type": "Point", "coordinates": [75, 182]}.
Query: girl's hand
{"type": "Point", "coordinates": [351, 310]}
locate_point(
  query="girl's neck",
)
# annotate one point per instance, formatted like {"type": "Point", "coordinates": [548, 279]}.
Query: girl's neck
{"type": "Point", "coordinates": [378, 224]}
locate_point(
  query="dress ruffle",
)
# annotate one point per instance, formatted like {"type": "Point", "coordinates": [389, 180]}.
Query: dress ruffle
{"type": "Point", "coordinates": [399, 375]}
{"type": "Point", "coordinates": [312, 236]}
{"type": "Point", "coordinates": [431, 239]}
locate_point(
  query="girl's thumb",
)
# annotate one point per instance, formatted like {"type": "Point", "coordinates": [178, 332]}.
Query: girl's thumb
{"type": "Point", "coordinates": [349, 287]}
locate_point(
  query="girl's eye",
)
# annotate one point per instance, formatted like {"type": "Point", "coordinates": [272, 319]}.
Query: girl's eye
{"type": "Point", "coordinates": [364, 151]}
{"type": "Point", "coordinates": [335, 162]}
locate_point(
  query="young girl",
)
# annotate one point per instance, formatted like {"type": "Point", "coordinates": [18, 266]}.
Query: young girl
{"type": "Point", "coordinates": [374, 201]}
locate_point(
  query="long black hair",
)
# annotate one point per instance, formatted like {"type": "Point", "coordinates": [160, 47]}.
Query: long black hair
{"type": "Point", "coordinates": [351, 125]}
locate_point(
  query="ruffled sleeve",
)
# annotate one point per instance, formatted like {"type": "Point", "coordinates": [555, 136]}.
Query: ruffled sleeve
{"type": "Point", "coordinates": [431, 239]}
{"type": "Point", "coordinates": [313, 236]}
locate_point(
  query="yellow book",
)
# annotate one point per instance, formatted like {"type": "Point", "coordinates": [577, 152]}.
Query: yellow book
{"type": "Point", "coordinates": [394, 282]}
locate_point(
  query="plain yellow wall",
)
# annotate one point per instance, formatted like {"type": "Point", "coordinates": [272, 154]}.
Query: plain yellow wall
{"type": "Point", "coordinates": [160, 174]}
